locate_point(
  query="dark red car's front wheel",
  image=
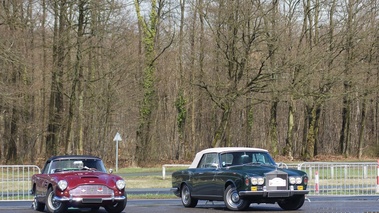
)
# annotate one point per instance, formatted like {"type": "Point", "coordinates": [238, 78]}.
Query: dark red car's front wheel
{"type": "Point", "coordinates": [116, 207]}
{"type": "Point", "coordinates": [52, 205]}
{"type": "Point", "coordinates": [38, 206]}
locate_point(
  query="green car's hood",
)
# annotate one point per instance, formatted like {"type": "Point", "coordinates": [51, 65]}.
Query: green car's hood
{"type": "Point", "coordinates": [261, 170]}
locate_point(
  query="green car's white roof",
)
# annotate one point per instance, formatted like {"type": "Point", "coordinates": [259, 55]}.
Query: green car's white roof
{"type": "Point", "coordinates": [198, 156]}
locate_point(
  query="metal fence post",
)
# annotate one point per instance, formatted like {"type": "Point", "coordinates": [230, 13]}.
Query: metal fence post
{"type": "Point", "coordinates": [377, 179]}
{"type": "Point", "coordinates": [317, 183]}
{"type": "Point", "coordinates": [164, 172]}
{"type": "Point", "coordinates": [332, 172]}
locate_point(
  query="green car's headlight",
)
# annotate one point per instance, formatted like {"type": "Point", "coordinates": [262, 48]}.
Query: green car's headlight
{"type": "Point", "coordinates": [120, 184]}
{"type": "Point", "coordinates": [261, 181]}
{"type": "Point", "coordinates": [62, 184]}
{"type": "Point", "coordinates": [298, 180]}
{"type": "Point", "coordinates": [292, 180]}
{"type": "Point", "coordinates": [254, 181]}
{"type": "Point", "coordinates": [257, 180]}
{"type": "Point", "coordinates": [295, 180]}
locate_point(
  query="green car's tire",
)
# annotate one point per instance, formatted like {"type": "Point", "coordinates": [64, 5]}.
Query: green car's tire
{"type": "Point", "coordinates": [187, 199]}
{"type": "Point", "coordinates": [233, 201]}
{"type": "Point", "coordinates": [293, 203]}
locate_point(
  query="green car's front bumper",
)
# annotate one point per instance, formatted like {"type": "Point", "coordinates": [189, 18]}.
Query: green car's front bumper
{"type": "Point", "coordinates": [273, 193]}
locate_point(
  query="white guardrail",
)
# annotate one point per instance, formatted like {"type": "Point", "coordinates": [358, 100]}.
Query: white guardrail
{"type": "Point", "coordinates": [15, 182]}
{"type": "Point", "coordinates": [164, 166]}
{"type": "Point", "coordinates": [342, 178]}
{"type": "Point", "coordinates": [325, 178]}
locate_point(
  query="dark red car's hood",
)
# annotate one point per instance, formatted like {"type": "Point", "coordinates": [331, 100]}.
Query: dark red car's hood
{"type": "Point", "coordinates": [87, 177]}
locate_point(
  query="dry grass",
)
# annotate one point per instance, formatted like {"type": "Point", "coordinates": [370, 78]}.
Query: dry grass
{"type": "Point", "coordinates": [144, 182]}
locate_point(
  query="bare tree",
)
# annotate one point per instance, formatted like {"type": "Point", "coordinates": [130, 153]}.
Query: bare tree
{"type": "Point", "coordinates": [56, 106]}
{"type": "Point", "coordinates": [272, 45]}
{"type": "Point", "coordinates": [296, 77]}
{"type": "Point", "coordinates": [238, 26]}
{"type": "Point", "coordinates": [147, 104]}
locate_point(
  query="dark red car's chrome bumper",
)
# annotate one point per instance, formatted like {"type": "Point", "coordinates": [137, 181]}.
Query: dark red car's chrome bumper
{"type": "Point", "coordinates": [88, 200]}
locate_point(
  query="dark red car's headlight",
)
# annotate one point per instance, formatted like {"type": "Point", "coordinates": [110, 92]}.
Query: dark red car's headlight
{"type": "Point", "coordinates": [120, 184]}
{"type": "Point", "coordinates": [62, 184]}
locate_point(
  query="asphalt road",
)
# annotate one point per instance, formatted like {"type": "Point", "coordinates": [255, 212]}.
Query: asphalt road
{"type": "Point", "coordinates": [314, 204]}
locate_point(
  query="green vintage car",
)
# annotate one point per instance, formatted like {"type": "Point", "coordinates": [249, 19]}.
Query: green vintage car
{"type": "Point", "coordinates": [239, 176]}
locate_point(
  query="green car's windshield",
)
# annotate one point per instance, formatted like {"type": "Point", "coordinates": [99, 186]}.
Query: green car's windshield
{"type": "Point", "coordinates": [76, 165]}
{"type": "Point", "coordinates": [243, 158]}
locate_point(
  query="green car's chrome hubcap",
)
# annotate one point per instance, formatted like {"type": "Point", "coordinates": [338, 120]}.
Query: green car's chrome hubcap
{"type": "Point", "coordinates": [185, 195]}
{"type": "Point", "coordinates": [235, 197]}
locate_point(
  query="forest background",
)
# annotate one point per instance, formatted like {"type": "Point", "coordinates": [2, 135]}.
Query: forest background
{"type": "Point", "coordinates": [297, 77]}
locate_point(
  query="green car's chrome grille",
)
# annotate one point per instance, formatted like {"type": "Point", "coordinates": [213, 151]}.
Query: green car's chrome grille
{"type": "Point", "coordinates": [276, 181]}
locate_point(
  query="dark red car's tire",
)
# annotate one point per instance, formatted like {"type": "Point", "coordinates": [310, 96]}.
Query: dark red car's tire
{"type": "Point", "coordinates": [38, 206]}
{"type": "Point", "coordinates": [233, 201]}
{"type": "Point", "coordinates": [293, 203]}
{"type": "Point", "coordinates": [117, 207]}
{"type": "Point", "coordinates": [187, 199]}
{"type": "Point", "coordinates": [95, 209]}
{"type": "Point", "coordinates": [53, 206]}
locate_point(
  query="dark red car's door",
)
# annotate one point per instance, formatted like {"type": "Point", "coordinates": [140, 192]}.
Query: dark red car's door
{"type": "Point", "coordinates": [41, 182]}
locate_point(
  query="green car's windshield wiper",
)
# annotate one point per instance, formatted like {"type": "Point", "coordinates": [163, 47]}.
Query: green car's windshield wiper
{"type": "Point", "coordinates": [253, 163]}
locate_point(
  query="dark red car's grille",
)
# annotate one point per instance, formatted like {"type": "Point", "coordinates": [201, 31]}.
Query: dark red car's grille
{"type": "Point", "coordinates": [91, 190]}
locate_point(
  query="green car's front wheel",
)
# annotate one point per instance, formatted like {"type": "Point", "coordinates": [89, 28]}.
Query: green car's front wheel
{"type": "Point", "coordinates": [187, 199]}
{"type": "Point", "coordinates": [233, 201]}
{"type": "Point", "coordinates": [293, 203]}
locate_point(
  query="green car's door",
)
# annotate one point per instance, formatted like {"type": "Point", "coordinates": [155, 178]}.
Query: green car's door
{"type": "Point", "coordinates": [203, 180]}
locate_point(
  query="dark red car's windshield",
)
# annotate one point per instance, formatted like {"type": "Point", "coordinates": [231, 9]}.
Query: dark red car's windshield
{"type": "Point", "coordinates": [63, 165]}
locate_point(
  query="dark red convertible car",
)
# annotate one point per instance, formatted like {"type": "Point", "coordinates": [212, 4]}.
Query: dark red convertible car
{"type": "Point", "coordinates": [77, 181]}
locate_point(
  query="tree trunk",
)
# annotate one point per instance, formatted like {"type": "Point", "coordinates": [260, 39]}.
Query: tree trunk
{"type": "Point", "coordinates": [273, 136]}
{"type": "Point", "coordinates": [289, 139]}
{"type": "Point", "coordinates": [317, 126]}
{"type": "Point", "coordinates": [249, 123]}
{"type": "Point", "coordinates": [312, 132]}
{"type": "Point", "coordinates": [219, 136]}
{"type": "Point", "coordinates": [180, 102]}
{"type": "Point", "coordinates": [76, 97]}
{"type": "Point", "coordinates": [310, 138]}
{"type": "Point", "coordinates": [147, 105]}
{"type": "Point", "coordinates": [194, 99]}
{"type": "Point", "coordinates": [344, 136]}
{"type": "Point", "coordinates": [347, 84]}
{"type": "Point", "coordinates": [12, 147]}
{"type": "Point", "coordinates": [361, 128]}
{"type": "Point", "coordinates": [56, 92]}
